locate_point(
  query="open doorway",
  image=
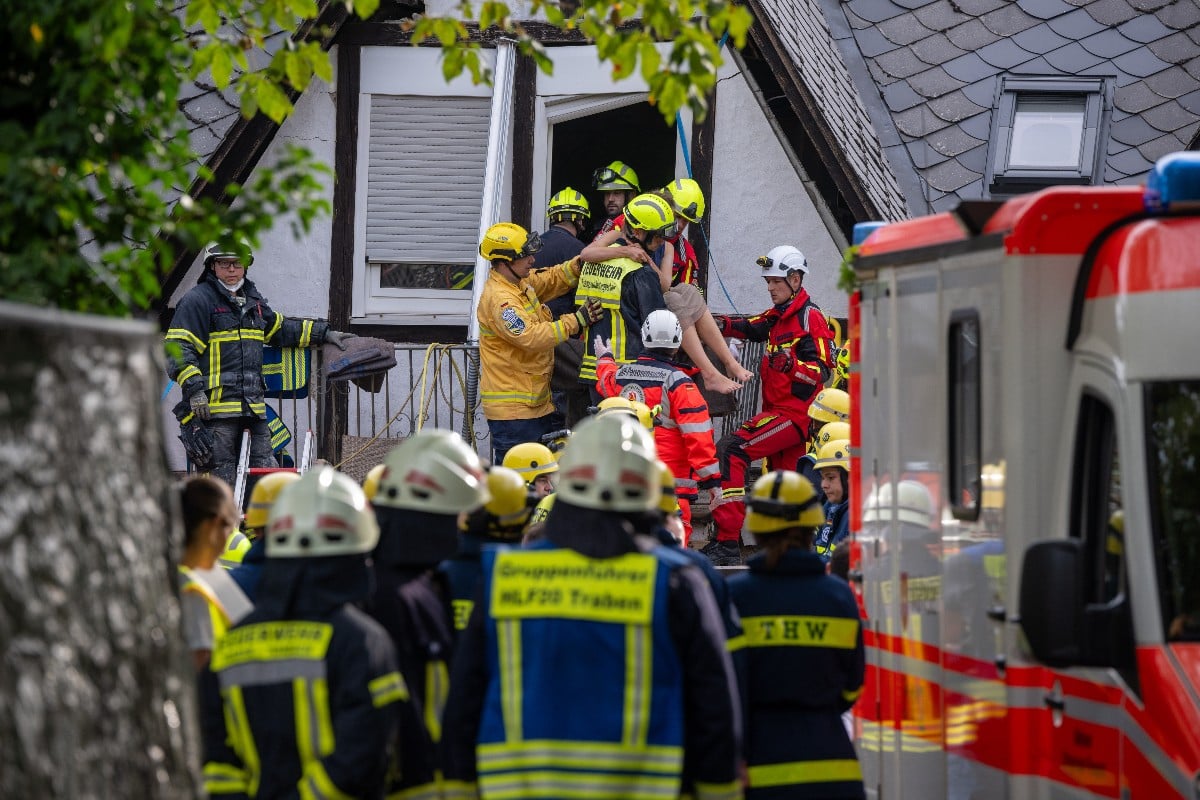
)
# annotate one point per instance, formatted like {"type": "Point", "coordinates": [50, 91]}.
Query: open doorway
{"type": "Point", "coordinates": [635, 134]}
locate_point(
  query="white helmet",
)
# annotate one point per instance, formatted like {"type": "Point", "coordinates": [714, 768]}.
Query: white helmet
{"type": "Point", "coordinates": [913, 504]}
{"type": "Point", "coordinates": [324, 513]}
{"type": "Point", "coordinates": [434, 471]}
{"type": "Point", "coordinates": [661, 330]}
{"type": "Point", "coordinates": [782, 261]}
{"type": "Point", "coordinates": [610, 463]}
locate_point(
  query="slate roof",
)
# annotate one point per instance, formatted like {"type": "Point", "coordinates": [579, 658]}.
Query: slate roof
{"type": "Point", "coordinates": [928, 73]}
{"type": "Point", "coordinates": [802, 29]}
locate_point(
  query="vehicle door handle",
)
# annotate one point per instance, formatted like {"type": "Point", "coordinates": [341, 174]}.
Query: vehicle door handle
{"type": "Point", "coordinates": [997, 613]}
{"type": "Point", "coordinates": [1054, 701]}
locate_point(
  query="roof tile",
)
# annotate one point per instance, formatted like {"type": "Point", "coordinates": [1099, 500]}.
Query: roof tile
{"type": "Point", "coordinates": [971, 35]}
{"type": "Point", "coordinates": [1075, 25]}
{"type": "Point", "coordinates": [1149, 5]}
{"type": "Point", "coordinates": [1156, 149]}
{"type": "Point", "coordinates": [919, 122]}
{"type": "Point", "coordinates": [912, 4]}
{"type": "Point", "coordinates": [1133, 131]}
{"type": "Point", "coordinates": [1179, 15]}
{"type": "Point", "coordinates": [1004, 54]}
{"type": "Point", "coordinates": [969, 68]}
{"type": "Point", "coordinates": [1008, 20]}
{"type": "Point", "coordinates": [1039, 66]}
{"type": "Point", "coordinates": [1187, 134]}
{"type": "Point", "coordinates": [1144, 28]}
{"type": "Point", "coordinates": [1190, 101]}
{"type": "Point", "coordinates": [856, 22]}
{"type": "Point", "coordinates": [1108, 44]}
{"type": "Point", "coordinates": [1039, 39]}
{"type": "Point", "coordinates": [1045, 9]}
{"type": "Point", "coordinates": [923, 156]}
{"type": "Point", "coordinates": [934, 83]}
{"type": "Point", "coordinates": [1111, 12]}
{"type": "Point", "coordinates": [941, 15]}
{"type": "Point", "coordinates": [904, 29]}
{"type": "Point", "coordinates": [1112, 175]}
{"type": "Point", "coordinates": [1141, 62]}
{"type": "Point", "coordinates": [937, 49]}
{"type": "Point", "coordinates": [1072, 59]}
{"type": "Point", "coordinates": [975, 159]}
{"type": "Point", "coordinates": [979, 126]}
{"type": "Point", "coordinates": [1136, 98]}
{"type": "Point", "coordinates": [982, 92]}
{"type": "Point", "coordinates": [873, 43]}
{"type": "Point", "coordinates": [875, 10]}
{"type": "Point", "coordinates": [1169, 117]}
{"type": "Point", "coordinates": [900, 96]}
{"type": "Point", "coordinates": [947, 202]}
{"type": "Point", "coordinates": [901, 63]}
{"type": "Point", "coordinates": [952, 141]}
{"type": "Point", "coordinates": [1176, 81]}
{"type": "Point", "coordinates": [950, 176]}
{"type": "Point", "coordinates": [976, 8]}
{"type": "Point", "coordinates": [954, 107]}
{"type": "Point", "coordinates": [1193, 68]}
{"type": "Point", "coordinates": [1175, 49]}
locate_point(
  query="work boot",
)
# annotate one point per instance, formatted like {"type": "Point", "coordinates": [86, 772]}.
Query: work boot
{"type": "Point", "coordinates": [723, 554]}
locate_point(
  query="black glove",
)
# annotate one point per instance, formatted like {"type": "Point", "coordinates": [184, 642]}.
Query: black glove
{"type": "Point", "coordinates": [781, 362]}
{"type": "Point", "coordinates": [199, 405]}
{"type": "Point", "coordinates": [337, 338]}
{"type": "Point", "coordinates": [197, 442]}
{"type": "Point", "coordinates": [588, 313]}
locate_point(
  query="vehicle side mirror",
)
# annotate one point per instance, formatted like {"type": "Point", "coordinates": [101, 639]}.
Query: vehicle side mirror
{"type": "Point", "coordinates": [1051, 604]}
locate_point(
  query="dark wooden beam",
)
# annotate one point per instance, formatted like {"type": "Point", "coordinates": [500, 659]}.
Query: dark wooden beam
{"type": "Point", "coordinates": [703, 140]}
{"type": "Point", "coordinates": [524, 99]}
{"type": "Point", "coordinates": [381, 34]}
{"type": "Point", "coordinates": [341, 262]}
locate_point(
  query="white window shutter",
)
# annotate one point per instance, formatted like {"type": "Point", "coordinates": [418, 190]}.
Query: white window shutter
{"type": "Point", "coordinates": [426, 160]}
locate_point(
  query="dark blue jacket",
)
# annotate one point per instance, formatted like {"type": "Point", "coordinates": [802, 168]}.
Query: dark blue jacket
{"type": "Point", "coordinates": [248, 573]}
{"type": "Point", "coordinates": [835, 530]}
{"type": "Point", "coordinates": [804, 666]}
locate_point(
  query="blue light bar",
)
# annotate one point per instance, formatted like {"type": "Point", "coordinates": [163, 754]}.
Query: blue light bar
{"type": "Point", "coordinates": [864, 229]}
{"type": "Point", "coordinates": [1174, 183]}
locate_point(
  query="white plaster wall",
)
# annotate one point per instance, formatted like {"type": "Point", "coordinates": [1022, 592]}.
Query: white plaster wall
{"type": "Point", "coordinates": [759, 202]}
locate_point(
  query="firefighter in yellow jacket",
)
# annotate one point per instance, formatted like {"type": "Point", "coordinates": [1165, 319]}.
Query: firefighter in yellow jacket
{"type": "Point", "coordinates": [517, 335]}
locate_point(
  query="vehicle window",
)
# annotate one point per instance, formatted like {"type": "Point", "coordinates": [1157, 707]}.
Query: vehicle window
{"type": "Point", "coordinates": [1173, 469]}
{"type": "Point", "coordinates": [963, 462]}
{"type": "Point", "coordinates": [1096, 513]}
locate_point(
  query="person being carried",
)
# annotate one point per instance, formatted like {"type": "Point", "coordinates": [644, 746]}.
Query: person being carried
{"type": "Point", "coordinates": [678, 274]}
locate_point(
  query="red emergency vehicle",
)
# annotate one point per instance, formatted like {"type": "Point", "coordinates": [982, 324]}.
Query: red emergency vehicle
{"type": "Point", "coordinates": [1026, 415]}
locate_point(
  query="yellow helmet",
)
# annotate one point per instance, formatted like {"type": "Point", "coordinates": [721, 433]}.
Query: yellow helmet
{"type": "Point", "coordinates": [568, 204]}
{"type": "Point", "coordinates": [669, 503]}
{"type": "Point", "coordinates": [505, 514]}
{"type": "Point", "coordinates": [624, 405]}
{"type": "Point", "coordinates": [835, 454]}
{"type": "Point", "coordinates": [831, 431]}
{"type": "Point", "coordinates": [371, 482]}
{"type": "Point", "coordinates": [830, 405]}
{"type": "Point", "coordinates": [236, 547]}
{"type": "Point", "coordinates": [616, 177]}
{"type": "Point", "coordinates": [531, 460]}
{"type": "Point", "coordinates": [687, 199]}
{"type": "Point", "coordinates": [541, 511]}
{"type": "Point", "coordinates": [508, 241]}
{"type": "Point", "coordinates": [610, 464]}
{"type": "Point", "coordinates": [262, 497]}
{"type": "Point", "coordinates": [843, 362]}
{"type": "Point", "coordinates": [650, 213]}
{"type": "Point", "coordinates": [781, 500]}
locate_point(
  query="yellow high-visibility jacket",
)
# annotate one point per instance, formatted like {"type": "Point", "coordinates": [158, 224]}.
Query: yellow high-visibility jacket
{"type": "Point", "coordinates": [517, 336]}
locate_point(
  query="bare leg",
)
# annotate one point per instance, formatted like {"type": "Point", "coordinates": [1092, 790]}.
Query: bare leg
{"type": "Point", "coordinates": [714, 381]}
{"type": "Point", "coordinates": [710, 334]}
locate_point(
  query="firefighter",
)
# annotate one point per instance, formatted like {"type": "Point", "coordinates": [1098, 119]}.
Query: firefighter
{"type": "Point", "coordinates": [830, 405]}
{"type": "Point", "coordinates": [684, 436]}
{"type": "Point", "coordinates": [589, 649]}
{"type": "Point", "coordinates": [535, 463]}
{"type": "Point", "coordinates": [797, 621]}
{"type": "Point", "coordinates": [248, 573]}
{"type": "Point", "coordinates": [833, 464]}
{"type": "Point", "coordinates": [627, 290]}
{"type": "Point", "coordinates": [501, 520]}
{"type": "Point", "coordinates": [209, 601]}
{"type": "Point", "coordinates": [617, 184]}
{"type": "Point", "coordinates": [796, 363]}
{"type": "Point", "coordinates": [825, 434]}
{"type": "Point", "coordinates": [517, 335]}
{"type": "Point", "coordinates": [215, 354]}
{"type": "Point", "coordinates": [304, 698]}
{"type": "Point", "coordinates": [428, 481]}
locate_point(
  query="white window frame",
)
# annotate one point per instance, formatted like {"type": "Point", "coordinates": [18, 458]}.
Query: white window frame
{"type": "Point", "coordinates": [402, 71]}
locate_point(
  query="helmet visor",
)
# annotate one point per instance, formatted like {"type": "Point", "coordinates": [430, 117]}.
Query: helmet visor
{"type": "Point", "coordinates": [532, 245]}
{"type": "Point", "coordinates": [690, 212]}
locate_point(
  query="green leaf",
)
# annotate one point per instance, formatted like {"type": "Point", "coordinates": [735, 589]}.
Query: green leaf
{"type": "Point", "coordinates": [365, 8]}
{"type": "Point", "coordinates": [222, 66]}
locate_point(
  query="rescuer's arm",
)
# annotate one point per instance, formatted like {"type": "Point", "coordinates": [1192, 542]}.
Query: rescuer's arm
{"type": "Point", "coordinates": [756, 328]}
{"type": "Point", "coordinates": [527, 331]}
{"type": "Point", "coordinates": [606, 370]}
{"type": "Point", "coordinates": [187, 341]}
{"type": "Point", "coordinates": [293, 331]}
{"type": "Point", "coordinates": [555, 281]}
{"type": "Point", "coordinates": [695, 424]}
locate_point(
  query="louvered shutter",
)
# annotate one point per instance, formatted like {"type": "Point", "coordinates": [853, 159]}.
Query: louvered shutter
{"type": "Point", "coordinates": [425, 171]}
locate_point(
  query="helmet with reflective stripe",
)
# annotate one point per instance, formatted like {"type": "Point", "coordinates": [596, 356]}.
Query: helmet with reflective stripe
{"type": "Point", "coordinates": [843, 362]}
{"type": "Point", "coordinates": [568, 204]}
{"type": "Point", "coordinates": [781, 500]}
{"type": "Point", "coordinates": [504, 515]}
{"type": "Point", "coordinates": [508, 241]}
{"type": "Point", "coordinates": [264, 494]}
{"type": "Point", "coordinates": [686, 198]}
{"type": "Point", "coordinates": [610, 464]}
{"type": "Point", "coordinates": [831, 431]}
{"type": "Point", "coordinates": [830, 405]}
{"type": "Point", "coordinates": [325, 513]}
{"type": "Point", "coordinates": [662, 331]}
{"type": "Point", "coordinates": [624, 406]}
{"type": "Point", "coordinates": [616, 177]}
{"type": "Point", "coordinates": [782, 261]}
{"type": "Point", "coordinates": [650, 213]}
{"type": "Point", "coordinates": [531, 460]}
{"type": "Point", "coordinates": [433, 471]}
{"type": "Point", "coordinates": [913, 504]}
{"type": "Point", "coordinates": [228, 248]}
{"type": "Point", "coordinates": [835, 454]}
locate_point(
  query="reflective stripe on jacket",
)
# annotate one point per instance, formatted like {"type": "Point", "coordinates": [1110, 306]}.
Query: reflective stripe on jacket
{"type": "Point", "coordinates": [517, 337]}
